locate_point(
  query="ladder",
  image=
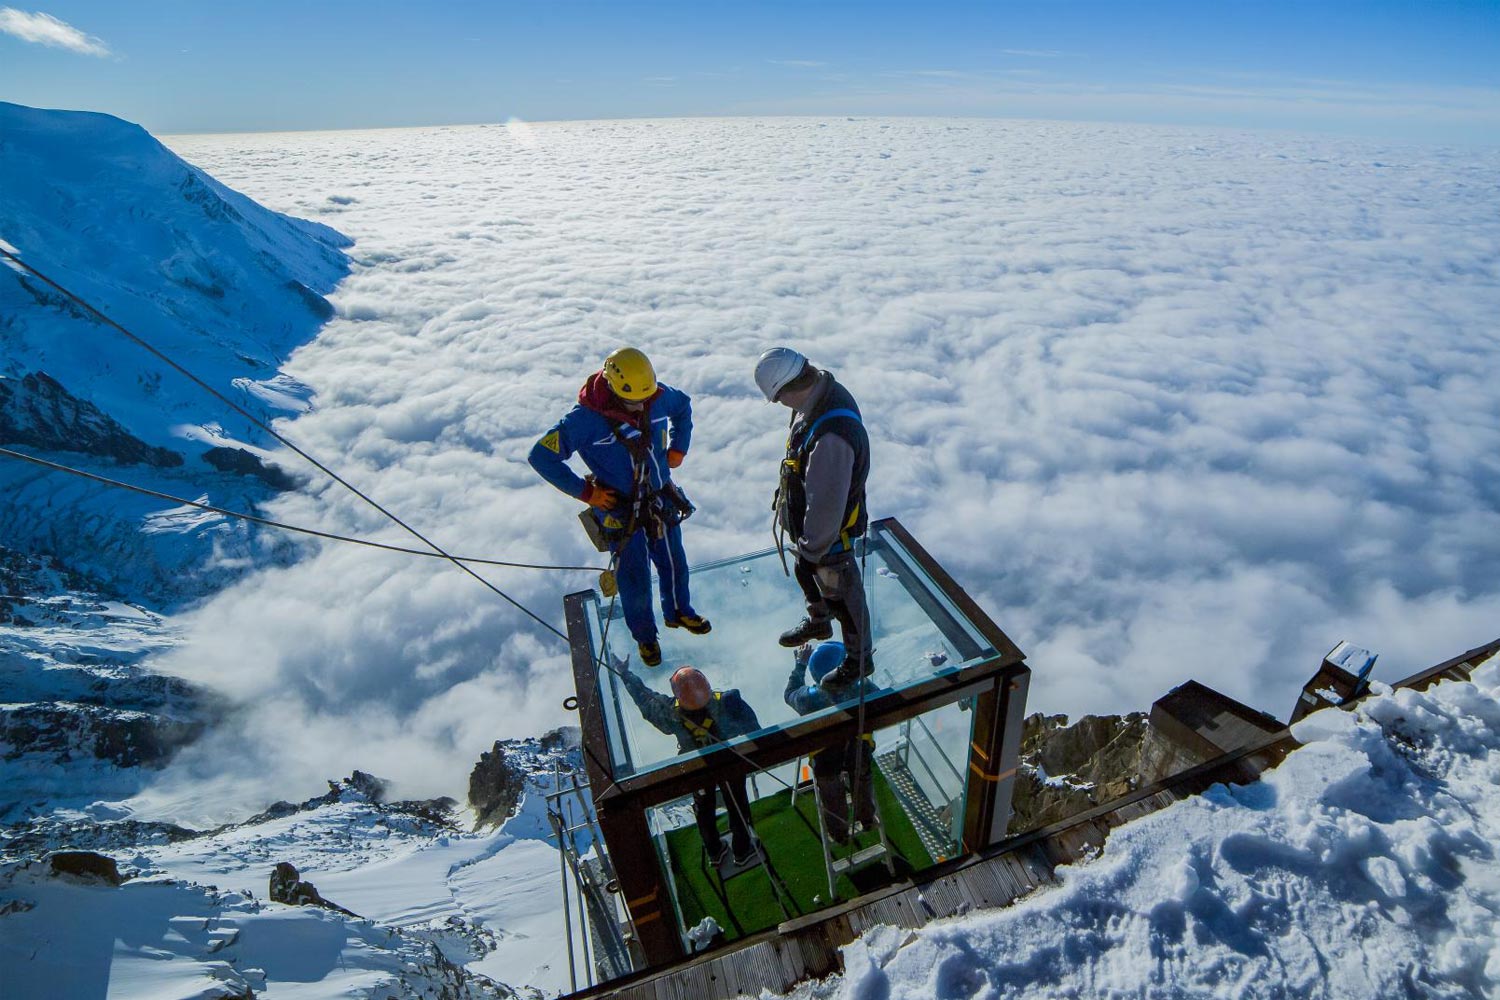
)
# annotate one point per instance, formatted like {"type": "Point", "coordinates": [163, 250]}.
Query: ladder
{"type": "Point", "coordinates": [834, 864]}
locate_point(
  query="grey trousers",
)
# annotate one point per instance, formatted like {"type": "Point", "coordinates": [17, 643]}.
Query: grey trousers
{"type": "Point", "coordinates": [834, 588]}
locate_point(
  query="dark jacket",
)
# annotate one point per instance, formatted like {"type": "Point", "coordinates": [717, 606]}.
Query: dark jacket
{"type": "Point", "coordinates": [728, 715]}
{"type": "Point", "coordinates": [805, 700]}
{"type": "Point", "coordinates": [822, 500]}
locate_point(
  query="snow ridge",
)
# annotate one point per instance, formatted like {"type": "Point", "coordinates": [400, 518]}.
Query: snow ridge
{"type": "Point", "coordinates": [1363, 866]}
{"type": "Point", "coordinates": [225, 287]}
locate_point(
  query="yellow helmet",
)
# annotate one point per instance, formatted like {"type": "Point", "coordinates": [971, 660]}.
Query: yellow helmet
{"type": "Point", "coordinates": [630, 375]}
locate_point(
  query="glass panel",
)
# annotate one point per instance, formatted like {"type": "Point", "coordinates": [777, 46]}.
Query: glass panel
{"type": "Point", "coordinates": [918, 795]}
{"type": "Point", "coordinates": [925, 760]}
{"type": "Point", "coordinates": [918, 634]}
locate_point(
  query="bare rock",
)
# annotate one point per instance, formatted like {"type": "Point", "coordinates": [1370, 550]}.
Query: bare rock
{"type": "Point", "coordinates": [86, 866]}
{"type": "Point", "coordinates": [1068, 768]}
{"type": "Point", "coordinates": [240, 462]}
{"type": "Point", "coordinates": [37, 411]}
{"type": "Point", "coordinates": [287, 886]}
{"type": "Point", "coordinates": [495, 786]}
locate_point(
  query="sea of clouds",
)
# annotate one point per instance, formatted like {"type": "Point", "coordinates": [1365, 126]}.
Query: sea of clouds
{"type": "Point", "coordinates": [1168, 403]}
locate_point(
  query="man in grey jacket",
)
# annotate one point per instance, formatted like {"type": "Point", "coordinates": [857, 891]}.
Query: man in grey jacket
{"type": "Point", "coordinates": [821, 501]}
{"type": "Point", "coordinates": [698, 716]}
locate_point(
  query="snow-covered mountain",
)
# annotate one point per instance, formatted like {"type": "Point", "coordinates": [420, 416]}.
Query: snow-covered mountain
{"type": "Point", "coordinates": [411, 901]}
{"type": "Point", "coordinates": [218, 283]}
{"type": "Point", "coordinates": [84, 718]}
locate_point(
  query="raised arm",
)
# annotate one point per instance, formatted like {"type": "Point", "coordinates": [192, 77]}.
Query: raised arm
{"type": "Point", "coordinates": [655, 707]}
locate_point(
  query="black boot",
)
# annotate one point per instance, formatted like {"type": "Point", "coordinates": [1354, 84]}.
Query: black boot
{"type": "Point", "coordinates": [807, 630]}
{"type": "Point", "coordinates": [854, 668]}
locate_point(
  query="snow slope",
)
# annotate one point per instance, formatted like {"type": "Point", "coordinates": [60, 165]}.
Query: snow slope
{"type": "Point", "coordinates": [487, 901]}
{"type": "Point", "coordinates": [83, 717]}
{"type": "Point", "coordinates": [1364, 866]}
{"type": "Point", "coordinates": [171, 940]}
{"type": "Point", "coordinates": [222, 285]}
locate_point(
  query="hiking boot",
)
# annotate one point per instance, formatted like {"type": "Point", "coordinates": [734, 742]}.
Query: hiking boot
{"type": "Point", "coordinates": [693, 623]}
{"type": "Point", "coordinates": [852, 669]}
{"type": "Point", "coordinates": [650, 653]}
{"type": "Point", "coordinates": [807, 630]}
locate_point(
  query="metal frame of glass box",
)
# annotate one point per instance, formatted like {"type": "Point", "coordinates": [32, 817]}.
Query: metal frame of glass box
{"type": "Point", "coordinates": [996, 684]}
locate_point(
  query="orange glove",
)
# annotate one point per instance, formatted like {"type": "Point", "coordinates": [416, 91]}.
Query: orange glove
{"type": "Point", "coordinates": [675, 457]}
{"type": "Point", "coordinates": [598, 496]}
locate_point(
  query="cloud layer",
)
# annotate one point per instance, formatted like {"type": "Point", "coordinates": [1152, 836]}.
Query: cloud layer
{"type": "Point", "coordinates": [44, 29]}
{"type": "Point", "coordinates": [1169, 403]}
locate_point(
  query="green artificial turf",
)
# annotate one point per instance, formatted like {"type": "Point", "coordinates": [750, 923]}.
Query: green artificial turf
{"type": "Point", "coordinates": [790, 838]}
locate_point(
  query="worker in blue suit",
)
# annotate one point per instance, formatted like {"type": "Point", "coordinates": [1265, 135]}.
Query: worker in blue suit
{"type": "Point", "coordinates": [843, 773]}
{"type": "Point", "coordinates": [631, 432]}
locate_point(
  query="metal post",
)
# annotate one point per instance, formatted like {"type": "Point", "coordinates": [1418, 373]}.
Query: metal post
{"type": "Point", "coordinates": [562, 863]}
{"type": "Point", "coordinates": [994, 753]}
{"type": "Point", "coordinates": [639, 875]}
{"type": "Point", "coordinates": [583, 911]}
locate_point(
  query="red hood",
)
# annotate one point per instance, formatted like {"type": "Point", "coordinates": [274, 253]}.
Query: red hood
{"type": "Point", "coordinates": [596, 395]}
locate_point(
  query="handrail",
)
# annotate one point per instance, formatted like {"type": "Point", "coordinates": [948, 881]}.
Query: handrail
{"type": "Point", "coordinates": [936, 746]}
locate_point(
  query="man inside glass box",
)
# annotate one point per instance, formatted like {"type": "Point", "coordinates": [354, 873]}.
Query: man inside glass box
{"type": "Point", "coordinates": [698, 716]}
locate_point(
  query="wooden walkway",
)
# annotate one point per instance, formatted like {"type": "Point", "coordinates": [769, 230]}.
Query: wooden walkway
{"type": "Point", "coordinates": [809, 947]}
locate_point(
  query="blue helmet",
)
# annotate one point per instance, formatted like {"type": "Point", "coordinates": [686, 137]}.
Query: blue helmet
{"type": "Point", "coordinates": [827, 658]}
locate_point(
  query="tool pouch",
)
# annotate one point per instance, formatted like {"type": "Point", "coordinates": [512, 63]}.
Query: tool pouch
{"type": "Point", "coordinates": [596, 531]}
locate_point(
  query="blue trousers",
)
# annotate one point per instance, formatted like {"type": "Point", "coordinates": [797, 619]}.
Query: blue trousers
{"type": "Point", "coordinates": [633, 574]}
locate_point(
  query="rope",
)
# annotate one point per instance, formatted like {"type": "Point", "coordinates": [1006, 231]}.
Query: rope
{"type": "Point", "coordinates": [237, 408]}
{"type": "Point", "coordinates": [866, 641]}
{"type": "Point", "coordinates": [276, 524]}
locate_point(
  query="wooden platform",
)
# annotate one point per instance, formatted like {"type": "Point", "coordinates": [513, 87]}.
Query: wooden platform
{"type": "Point", "coordinates": [808, 948]}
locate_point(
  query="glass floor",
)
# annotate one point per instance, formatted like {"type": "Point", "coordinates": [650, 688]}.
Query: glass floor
{"type": "Point", "coordinates": [919, 793]}
{"type": "Point", "coordinates": [919, 634]}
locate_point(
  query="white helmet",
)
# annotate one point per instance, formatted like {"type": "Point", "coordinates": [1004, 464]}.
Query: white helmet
{"type": "Point", "coordinates": [775, 369]}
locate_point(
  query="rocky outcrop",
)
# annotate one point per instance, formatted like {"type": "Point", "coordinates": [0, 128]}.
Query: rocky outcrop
{"type": "Point", "coordinates": [67, 730]}
{"type": "Point", "coordinates": [288, 886]}
{"type": "Point", "coordinates": [24, 578]}
{"type": "Point", "coordinates": [497, 781]}
{"type": "Point", "coordinates": [86, 866]}
{"type": "Point", "coordinates": [240, 462]}
{"type": "Point", "coordinates": [363, 787]}
{"type": "Point", "coordinates": [130, 835]}
{"type": "Point", "coordinates": [37, 412]}
{"type": "Point", "coordinates": [495, 786]}
{"type": "Point", "coordinates": [1066, 769]}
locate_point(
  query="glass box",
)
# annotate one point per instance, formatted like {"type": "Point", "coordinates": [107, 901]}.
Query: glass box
{"type": "Point", "coordinates": [944, 707]}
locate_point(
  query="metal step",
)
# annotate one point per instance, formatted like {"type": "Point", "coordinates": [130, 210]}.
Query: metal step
{"type": "Point", "coordinates": [862, 858]}
{"type": "Point", "coordinates": [931, 829]}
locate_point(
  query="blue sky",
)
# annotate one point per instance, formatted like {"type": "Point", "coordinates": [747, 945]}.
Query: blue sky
{"type": "Point", "coordinates": [1425, 71]}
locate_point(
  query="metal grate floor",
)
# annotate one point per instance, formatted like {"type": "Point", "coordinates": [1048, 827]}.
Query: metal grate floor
{"type": "Point", "coordinates": [923, 814]}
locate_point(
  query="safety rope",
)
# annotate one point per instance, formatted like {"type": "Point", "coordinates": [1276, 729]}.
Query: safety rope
{"type": "Point", "coordinates": [254, 519]}
{"type": "Point", "coordinates": [237, 408]}
{"type": "Point", "coordinates": [863, 682]}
